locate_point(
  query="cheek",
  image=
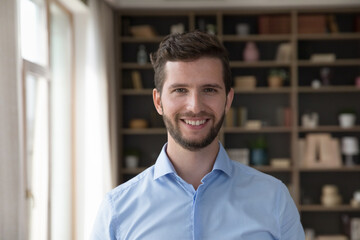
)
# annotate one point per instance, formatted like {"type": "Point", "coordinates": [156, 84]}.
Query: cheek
{"type": "Point", "coordinates": [217, 105]}
{"type": "Point", "coordinates": [170, 106]}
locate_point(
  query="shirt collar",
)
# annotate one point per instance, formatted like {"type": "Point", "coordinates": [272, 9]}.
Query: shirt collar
{"type": "Point", "coordinates": [223, 162]}
{"type": "Point", "coordinates": [164, 166]}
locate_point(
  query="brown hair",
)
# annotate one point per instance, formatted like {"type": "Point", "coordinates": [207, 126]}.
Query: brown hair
{"type": "Point", "coordinates": [187, 47]}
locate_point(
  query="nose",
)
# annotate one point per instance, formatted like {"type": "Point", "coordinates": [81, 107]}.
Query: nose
{"type": "Point", "coordinates": [195, 103]}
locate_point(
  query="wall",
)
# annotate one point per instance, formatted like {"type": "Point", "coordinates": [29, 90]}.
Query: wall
{"type": "Point", "coordinates": [12, 192]}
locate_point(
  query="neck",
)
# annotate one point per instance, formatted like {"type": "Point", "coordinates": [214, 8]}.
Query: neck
{"type": "Point", "coordinates": [192, 166]}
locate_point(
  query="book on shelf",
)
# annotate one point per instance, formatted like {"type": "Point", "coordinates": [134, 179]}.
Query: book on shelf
{"type": "Point", "coordinates": [136, 80]}
{"type": "Point", "coordinates": [236, 117]}
{"type": "Point", "coordinates": [283, 117]}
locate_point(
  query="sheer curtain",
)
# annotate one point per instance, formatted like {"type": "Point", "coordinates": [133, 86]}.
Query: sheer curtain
{"type": "Point", "coordinates": [93, 151]}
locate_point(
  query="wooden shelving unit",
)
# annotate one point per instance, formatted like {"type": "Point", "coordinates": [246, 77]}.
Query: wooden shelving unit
{"type": "Point", "coordinates": [261, 102]}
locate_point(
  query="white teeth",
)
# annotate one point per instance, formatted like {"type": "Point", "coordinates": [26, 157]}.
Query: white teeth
{"type": "Point", "coordinates": [195, 123]}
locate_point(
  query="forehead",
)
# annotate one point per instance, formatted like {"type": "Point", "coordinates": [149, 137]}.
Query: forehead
{"type": "Point", "coordinates": [203, 70]}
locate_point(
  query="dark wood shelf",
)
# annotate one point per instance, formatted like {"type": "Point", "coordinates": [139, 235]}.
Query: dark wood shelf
{"type": "Point", "coordinates": [263, 90]}
{"type": "Point", "coordinates": [274, 129]}
{"type": "Point", "coordinates": [270, 169]}
{"type": "Point", "coordinates": [135, 92]}
{"type": "Point", "coordinates": [329, 36]}
{"type": "Point", "coordinates": [125, 65]}
{"type": "Point", "coordinates": [355, 168]}
{"type": "Point", "coordinates": [157, 39]}
{"type": "Point", "coordinates": [143, 131]}
{"type": "Point", "coordinates": [338, 62]}
{"type": "Point", "coordinates": [256, 38]}
{"type": "Point", "coordinates": [258, 64]}
{"type": "Point", "coordinates": [329, 89]}
{"type": "Point", "coordinates": [321, 208]}
{"type": "Point", "coordinates": [330, 129]}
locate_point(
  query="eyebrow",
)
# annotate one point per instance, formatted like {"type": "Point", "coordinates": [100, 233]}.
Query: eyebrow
{"type": "Point", "coordinates": [180, 85]}
{"type": "Point", "coordinates": [213, 86]}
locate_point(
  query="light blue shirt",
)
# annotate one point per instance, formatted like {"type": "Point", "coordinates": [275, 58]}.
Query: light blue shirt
{"type": "Point", "coordinates": [234, 201]}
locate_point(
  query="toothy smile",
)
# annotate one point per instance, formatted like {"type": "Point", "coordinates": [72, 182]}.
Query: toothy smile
{"type": "Point", "coordinates": [195, 123]}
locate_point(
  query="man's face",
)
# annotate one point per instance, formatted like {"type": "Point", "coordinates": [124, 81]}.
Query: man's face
{"type": "Point", "coordinates": [193, 101]}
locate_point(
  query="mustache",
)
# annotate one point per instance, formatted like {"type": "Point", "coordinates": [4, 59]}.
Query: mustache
{"type": "Point", "coordinates": [195, 115]}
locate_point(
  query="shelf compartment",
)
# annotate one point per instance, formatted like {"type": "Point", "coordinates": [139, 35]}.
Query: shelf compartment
{"type": "Point", "coordinates": [328, 106]}
{"type": "Point", "coordinates": [343, 49]}
{"type": "Point", "coordinates": [132, 170]}
{"type": "Point", "coordinates": [347, 182]}
{"type": "Point", "coordinates": [149, 147]}
{"type": "Point", "coordinates": [161, 23]}
{"type": "Point", "coordinates": [129, 51]}
{"type": "Point", "coordinates": [267, 49]}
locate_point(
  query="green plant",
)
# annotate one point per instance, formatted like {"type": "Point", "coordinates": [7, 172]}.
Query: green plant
{"type": "Point", "coordinates": [132, 152]}
{"type": "Point", "coordinates": [347, 111]}
{"type": "Point", "coordinates": [259, 143]}
{"type": "Point", "coordinates": [278, 72]}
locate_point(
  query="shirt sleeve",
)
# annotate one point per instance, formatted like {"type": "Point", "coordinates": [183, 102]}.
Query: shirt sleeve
{"type": "Point", "coordinates": [290, 224]}
{"type": "Point", "coordinates": [102, 229]}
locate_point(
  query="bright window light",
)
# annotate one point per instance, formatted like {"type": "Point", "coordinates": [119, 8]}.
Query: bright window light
{"type": "Point", "coordinates": [34, 45]}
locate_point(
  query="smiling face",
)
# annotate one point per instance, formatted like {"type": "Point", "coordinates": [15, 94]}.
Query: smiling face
{"type": "Point", "coordinates": [193, 101]}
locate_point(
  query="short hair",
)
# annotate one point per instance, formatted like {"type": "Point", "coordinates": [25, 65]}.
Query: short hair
{"type": "Point", "coordinates": [189, 47]}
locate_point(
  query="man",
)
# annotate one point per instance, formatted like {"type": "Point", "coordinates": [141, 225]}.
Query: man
{"type": "Point", "coordinates": [194, 191]}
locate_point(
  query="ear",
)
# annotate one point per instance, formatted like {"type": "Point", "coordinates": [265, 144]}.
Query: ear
{"type": "Point", "coordinates": [229, 99]}
{"type": "Point", "coordinates": [157, 101]}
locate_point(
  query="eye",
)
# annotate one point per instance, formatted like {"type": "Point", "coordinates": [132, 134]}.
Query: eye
{"type": "Point", "coordinates": [210, 90]}
{"type": "Point", "coordinates": [180, 90]}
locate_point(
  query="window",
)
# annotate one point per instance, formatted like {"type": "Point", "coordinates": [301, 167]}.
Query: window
{"type": "Point", "coordinates": [36, 82]}
{"type": "Point", "coordinates": [37, 155]}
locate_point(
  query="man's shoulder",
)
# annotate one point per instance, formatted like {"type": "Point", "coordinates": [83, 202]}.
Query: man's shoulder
{"type": "Point", "coordinates": [129, 186]}
{"type": "Point", "coordinates": [244, 171]}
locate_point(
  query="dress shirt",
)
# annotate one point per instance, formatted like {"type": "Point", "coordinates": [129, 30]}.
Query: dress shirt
{"type": "Point", "coordinates": [234, 201]}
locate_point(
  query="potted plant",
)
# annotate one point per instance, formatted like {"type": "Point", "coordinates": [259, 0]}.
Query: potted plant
{"type": "Point", "coordinates": [347, 118]}
{"type": "Point", "coordinates": [276, 77]}
{"type": "Point", "coordinates": [132, 157]}
{"type": "Point", "coordinates": [259, 154]}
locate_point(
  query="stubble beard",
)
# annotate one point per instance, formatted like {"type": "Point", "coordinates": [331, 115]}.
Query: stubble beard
{"type": "Point", "coordinates": [175, 133]}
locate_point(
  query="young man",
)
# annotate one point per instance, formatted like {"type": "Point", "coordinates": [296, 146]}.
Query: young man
{"type": "Point", "coordinates": [194, 191]}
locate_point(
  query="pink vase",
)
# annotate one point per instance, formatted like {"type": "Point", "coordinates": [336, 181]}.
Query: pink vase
{"type": "Point", "coordinates": [251, 53]}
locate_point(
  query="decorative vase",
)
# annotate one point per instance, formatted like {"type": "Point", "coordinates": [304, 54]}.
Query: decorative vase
{"type": "Point", "coordinates": [131, 161]}
{"type": "Point", "coordinates": [275, 81]}
{"type": "Point", "coordinates": [142, 55]}
{"type": "Point", "coordinates": [242, 29]}
{"type": "Point", "coordinates": [259, 157]}
{"type": "Point", "coordinates": [251, 52]}
{"type": "Point", "coordinates": [347, 120]}
{"type": "Point", "coordinates": [330, 196]}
